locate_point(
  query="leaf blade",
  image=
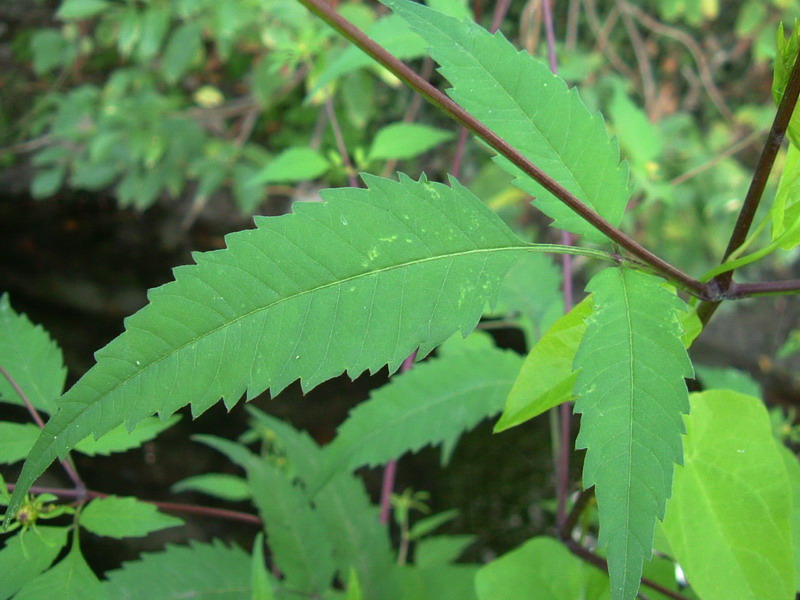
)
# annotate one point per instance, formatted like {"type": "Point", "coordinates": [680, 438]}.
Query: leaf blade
{"type": "Point", "coordinates": [519, 99]}
{"type": "Point", "coordinates": [282, 301]}
{"type": "Point", "coordinates": [631, 394]}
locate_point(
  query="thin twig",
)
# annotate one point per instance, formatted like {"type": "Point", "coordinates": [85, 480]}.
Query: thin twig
{"type": "Point", "coordinates": [581, 502]}
{"type": "Point", "coordinates": [753, 198]}
{"type": "Point", "coordinates": [643, 60]}
{"type": "Point", "coordinates": [66, 463]}
{"type": "Point", "coordinates": [737, 291]}
{"type": "Point", "coordinates": [702, 63]}
{"type": "Point", "coordinates": [432, 94]}
{"type": "Point", "coordinates": [730, 151]}
{"type": "Point", "coordinates": [601, 33]}
{"type": "Point", "coordinates": [173, 507]}
{"type": "Point", "coordinates": [337, 133]}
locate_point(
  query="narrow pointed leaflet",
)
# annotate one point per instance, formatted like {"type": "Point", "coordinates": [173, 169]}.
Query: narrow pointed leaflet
{"type": "Point", "coordinates": [353, 283]}
{"type": "Point", "coordinates": [631, 394]}
{"type": "Point", "coordinates": [519, 99]}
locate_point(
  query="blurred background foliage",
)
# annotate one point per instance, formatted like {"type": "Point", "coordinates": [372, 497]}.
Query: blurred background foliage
{"type": "Point", "coordinates": [254, 103]}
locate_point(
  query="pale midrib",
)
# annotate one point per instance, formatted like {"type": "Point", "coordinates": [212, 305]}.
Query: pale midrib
{"type": "Point", "coordinates": [632, 410]}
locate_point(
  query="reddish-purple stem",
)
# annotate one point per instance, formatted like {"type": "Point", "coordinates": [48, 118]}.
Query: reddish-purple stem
{"type": "Point", "coordinates": [174, 507]}
{"type": "Point", "coordinates": [390, 470]}
{"type": "Point", "coordinates": [337, 133]}
{"type": "Point", "coordinates": [69, 468]}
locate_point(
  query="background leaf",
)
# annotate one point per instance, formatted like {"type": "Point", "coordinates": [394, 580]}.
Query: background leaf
{"type": "Point", "coordinates": [120, 439]}
{"type": "Point", "coordinates": [32, 359]}
{"type": "Point", "coordinates": [195, 571]}
{"type": "Point", "coordinates": [219, 485]}
{"type": "Point", "coordinates": [70, 579]}
{"type": "Point", "coordinates": [25, 555]}
{"type": "Point", "coordinates": [785, 210]}
{"type": "Point", "coordinates": [283, 301]}
{"type": "Point", "coordinates": [541, 569]}
{"type": "Point", "coordinates": [732, 500]}
{"type": "Point", "coordinates": [547, 378]}
{"type": "Point", "coordinates": [16, 441]}
{"type": "Point", "coordinates": [406, 140]}
{"type": "Point", "coordinates": [631, 393]}
{"type": "Point", "coordinates": [434, 403]}
{"type": "Point", "coordinates": [124, 517]}
{"type": "Point", "coordinates": [518, 98]}
{"type": "Point", "coordinates": [294, 164]}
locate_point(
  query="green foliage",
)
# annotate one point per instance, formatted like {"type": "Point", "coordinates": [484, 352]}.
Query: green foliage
{"type": "Point", "coordinates": [631, 393]}
{"type": "Point", "coordinates": [520, 100]}
{"type": "Point", "coordinates": [366, 279]}
{"type": "Point", "coordinates": [742, 517]}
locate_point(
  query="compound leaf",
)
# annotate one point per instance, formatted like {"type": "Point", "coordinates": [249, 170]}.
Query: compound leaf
{"type": "Point", "coordinates": [195, 571]}
{"type": "Point", "coordinates": [354, 283]}
{"type": "Point", "coordinates": [631, 394]}
{"type": "Point", "coordinates": [519, 99]}
{"type": "Point", "coordinates": [732, 500]}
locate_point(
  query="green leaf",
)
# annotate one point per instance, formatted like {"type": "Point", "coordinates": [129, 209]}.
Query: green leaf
{"type": "Point", "coordinates": [732, 501]}
{"type": "Point", "coordinates": [219, 485]}
{"type": "Point", "coordinates": [260, 580]}
{"type": "Point", "coordinates": [787, 53]}
{"type": "Point", "coordinates": [16, 441]}
{"type": "Point", "coordinates": [440, 549]}
{"type": "Point", "coordinates": [730, 379]}
{"type": "Point", "coordinates": [433, 403]}
{"type": "Point", "coordinates": [518, 98]}
{"type": "Point", "coordinates": [124, 517]}
{"type": "Point", "coordinates": [295, 533]}
{"type": "Point", "coordinates": [195, 571]}
{"type": "Point", "coordinates": [294, 164]}
{"type": "Point", "coordinates": [391, 32]}
{"type": "Point", "coordinates": [406, 140]}
{"type": "Point", "coordinates": [443, 582]}
{"type": "Point", "coordinates": [81, 9]}
{"type": "Point", "coordinates": [425, 526]}
{"type": "Point", "coordinates": [547, 378]}
{"type": "Point", "coordinates": [531, 291]}
{"type": "Point", "coordinates": [785, 210]}
{"type": "Point", "coordinates": [631, 393]}
{"type": "Point", "coordinates": [120, 439]}
{"type": "Point", "coordinates": [185, 43]}
{"type": "Point", "coordinates": [793, 472]}
{"type": "Point", "coordinates": [70, 579]}
{"type": "Point", "coordinates": [32, 359]}
{"type": "Point", "coordinates": [542, 569]}
{"type": "Point", "coordinates": [351, 521]}
{"type": "Point", "coordinates": [284, 301]}
{"type": "Point", "coordinates": [47, 182]}
{"type": "Point", "coordinates": [25, 555]}
{"type": "Point", "coordinates": [50, 50]}
{"type": "Point", "coordinates": [639, 138]}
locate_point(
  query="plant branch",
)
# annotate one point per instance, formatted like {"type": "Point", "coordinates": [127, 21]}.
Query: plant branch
{"type": "Point", "coordinates": [66, 463]}
{"type": "Point", "coordinates": [337, 133]}
{"type": "Point", "coordinates": [173, 507]}
{"type": "Point", "coordinates": [443, 102]}
{"type": "Point", "coordinates": [737, 291]}
{"type": "Point", "coordinates": [753, 198]}
{"type": "Point", "coordinates": [581, 502]}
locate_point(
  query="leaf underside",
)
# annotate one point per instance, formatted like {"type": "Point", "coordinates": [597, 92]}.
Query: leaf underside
{"type": "Point", "coordinates": [519, 99]}
{"type": "Point", "coordinates": [354, 283]}
{"type": "Point", "coordinates": [631, 394]}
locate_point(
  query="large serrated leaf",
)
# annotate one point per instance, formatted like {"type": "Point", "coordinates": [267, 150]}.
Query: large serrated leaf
{"type": "Point", "coordinates": [70, 579]}
{"type": "Point", "coordinates": [354, 283]}
{"type": "Point", "coordinates": [519, 99]}
{"type": "Point", "coordinates": [733, 501]}
{"type": "Point", "coordinates": [434, 403]}
{"type": "Point", "coordinates": [26, 555]}
{"type": "Point", "coordinates": [631, 394]}
{"type": "Point", "coordinates": [195, 571]}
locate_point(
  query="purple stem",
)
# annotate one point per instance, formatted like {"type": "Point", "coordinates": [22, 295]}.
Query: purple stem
{"type": "Point", "coordinates": [174, 507]}
{"type": "Point", "coordinates": [337, 133]}
{"type": "Point", "coordinates": [69, 468]}
{"type": "Point", "coordinates": [390, 470]}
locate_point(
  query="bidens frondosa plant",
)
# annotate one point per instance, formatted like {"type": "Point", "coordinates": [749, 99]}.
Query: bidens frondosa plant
{"type": "Point", "coordinates": [372, 276]}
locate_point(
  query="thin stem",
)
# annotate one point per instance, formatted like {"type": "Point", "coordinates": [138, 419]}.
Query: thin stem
{"type": "Point", "coordinates": [581, 502]}
{"type": "Point", "coordinates": [757, 185]}
{"type": "Point", "coordinates": [436, 97]}
{"type": "Point", "coordinates": [69, 467]}
{"type": "Point", "coordinates": [390, 470]}
{"type": "Point", "coordinates": [564, 411]}
{"type": "Point", "coordinates": [730, 151]}
{"type": "Point", "coordinates": [337, 133]}
{"type": "Point", "coordinates": [174, 507]}
{"type": "Point", "coordinates": [737, 291]}
{"type": "Point", "coordinates": [601, 564]}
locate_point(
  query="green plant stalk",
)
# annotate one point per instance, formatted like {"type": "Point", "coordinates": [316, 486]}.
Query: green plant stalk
{"type": "Point", "coordinates": [451, 108]}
